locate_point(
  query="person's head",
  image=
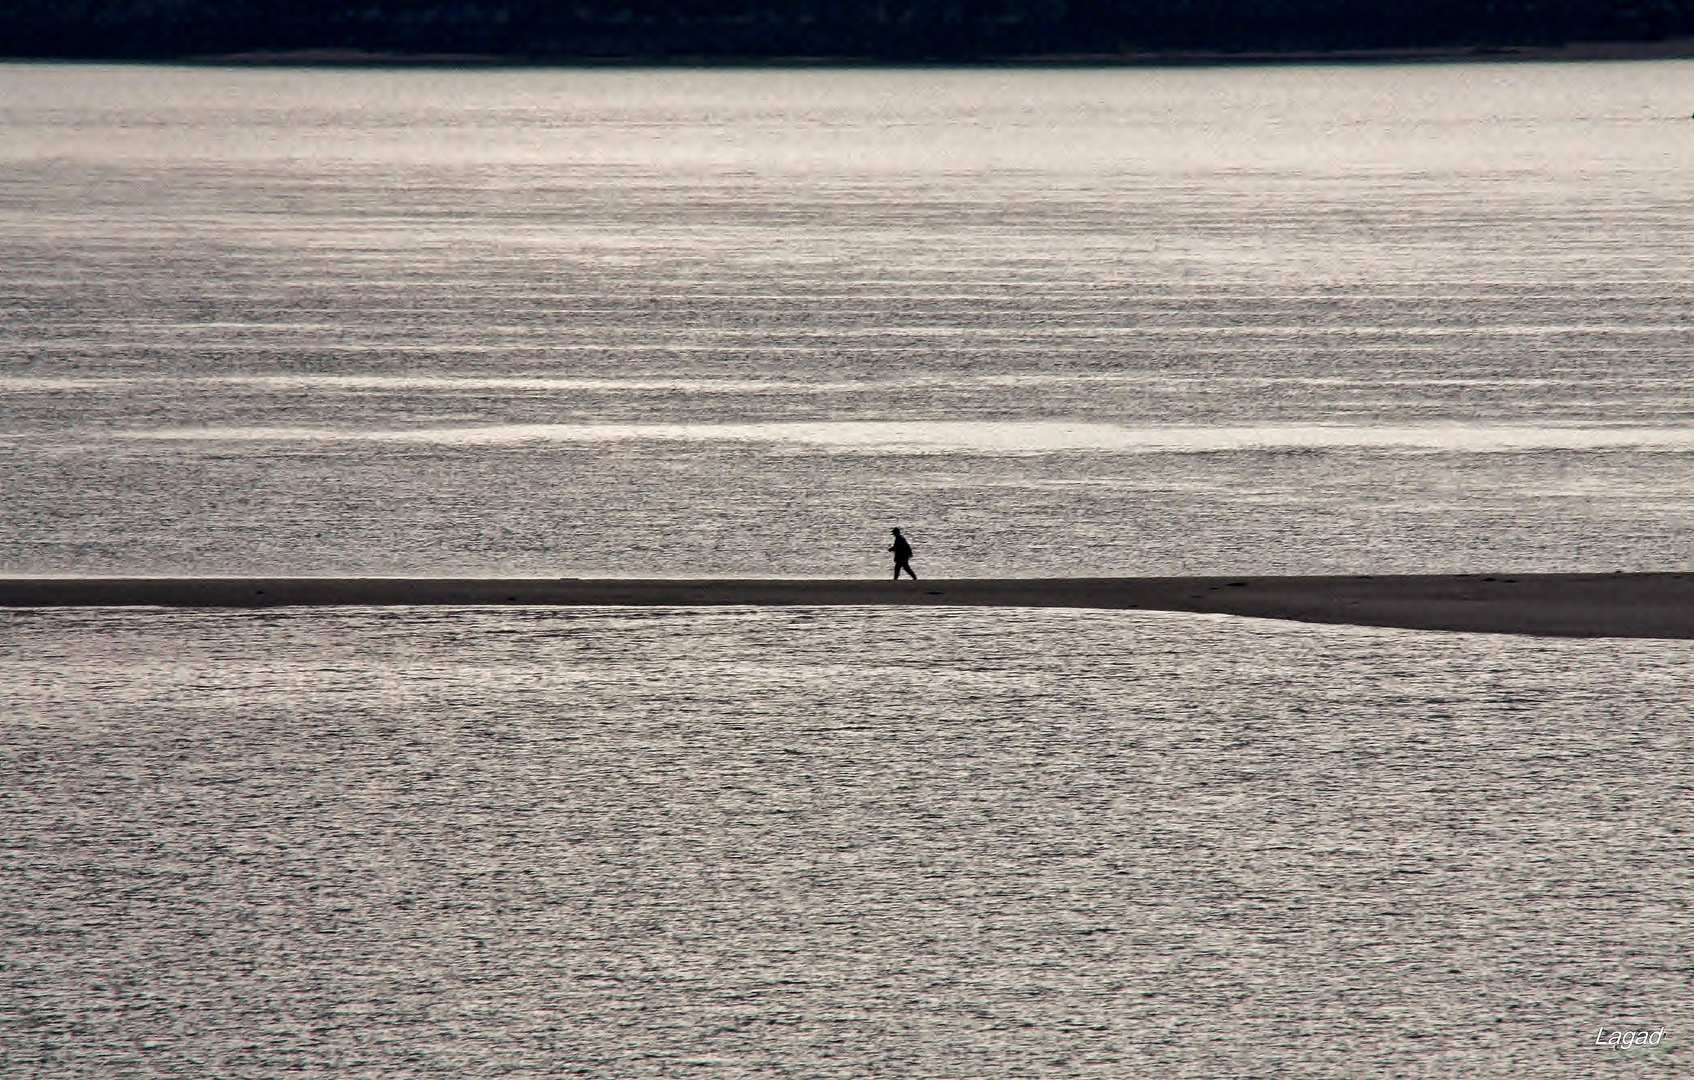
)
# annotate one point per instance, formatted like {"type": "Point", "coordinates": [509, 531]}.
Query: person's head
{"type": "Point", "coordinates": [896, 532]}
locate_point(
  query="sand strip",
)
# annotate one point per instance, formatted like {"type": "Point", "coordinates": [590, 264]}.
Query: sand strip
{"type": "Point", "coordinates": [1563, 605]}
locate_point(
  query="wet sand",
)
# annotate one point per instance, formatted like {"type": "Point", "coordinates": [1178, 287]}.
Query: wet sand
{"type": "Point", "coordinates": [1562, 605]}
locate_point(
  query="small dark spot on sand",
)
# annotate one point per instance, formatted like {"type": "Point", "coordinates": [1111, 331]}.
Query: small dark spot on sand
{"type": "Point", "coordinates": [1490, 579]}
{"type": "Point", "coordinates": [932, 594]}
{"type": "Point", "coordinates": [1237, 584]}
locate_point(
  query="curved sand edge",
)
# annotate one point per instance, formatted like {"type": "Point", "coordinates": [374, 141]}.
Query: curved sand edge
{"type": "Point", "coordinates": [1562, 605]}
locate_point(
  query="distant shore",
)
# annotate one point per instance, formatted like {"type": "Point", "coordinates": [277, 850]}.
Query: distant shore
{"type": "Point", "coordinates": [1557, 605]}
{"type": "Point", "coordinates": [1668, 49]}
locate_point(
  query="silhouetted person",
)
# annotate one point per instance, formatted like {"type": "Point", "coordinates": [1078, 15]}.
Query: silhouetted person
{"type": "Point", "coordinates": [902, 556]}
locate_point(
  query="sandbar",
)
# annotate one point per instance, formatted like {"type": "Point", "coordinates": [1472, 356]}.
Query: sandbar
{"type": "Point", "coordinates": [1556, 605]}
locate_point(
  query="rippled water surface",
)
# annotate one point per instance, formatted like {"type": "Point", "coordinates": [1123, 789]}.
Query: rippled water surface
{"type": "Point", "coordinates": [1294, 319]}
{"type": "Point", "coordinates": [820, 843]}
{"type": "Point", "coordinates": [1362, 319]}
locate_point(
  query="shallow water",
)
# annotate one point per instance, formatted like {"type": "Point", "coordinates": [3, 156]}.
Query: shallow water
{"type": "Point", "coordinates": [1344, 319]}
{"type": "Point", "coordinates": [1298, 320]}
{"type": "Point", "coordinates": [844, 842]}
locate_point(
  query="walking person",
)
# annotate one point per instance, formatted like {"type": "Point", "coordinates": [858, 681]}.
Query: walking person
{"type": "Point", "coordinates": [902, 556]}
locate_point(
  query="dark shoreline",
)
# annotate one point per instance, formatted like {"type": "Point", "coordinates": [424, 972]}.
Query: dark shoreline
{"type": "Point", "coordinates": [1664, 49]}
{"type": "Point", "coordinates": [1672, 48]}
{"type": "Point", "coordinates": [1556, 605]}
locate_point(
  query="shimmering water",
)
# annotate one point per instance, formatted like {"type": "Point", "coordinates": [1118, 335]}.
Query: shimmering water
{"type": "Point", "coordinates": [936, 843]}
{"type": "Point", "coordinates": [1378, 319]}
{"type": "Point", "coordinates": [683, 323]}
